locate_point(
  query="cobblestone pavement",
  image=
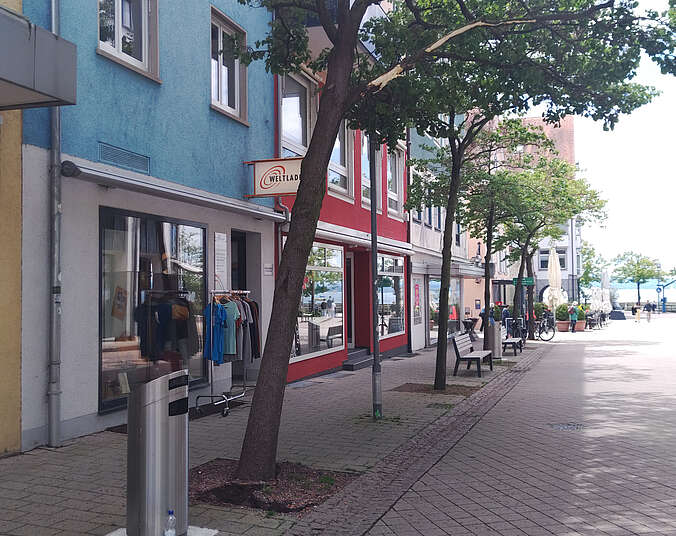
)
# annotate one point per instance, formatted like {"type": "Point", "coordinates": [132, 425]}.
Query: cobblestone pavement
{"type": "Point", "coordinates": [80, 488]}
{"type": "Point", "coordinates": [583, 445]}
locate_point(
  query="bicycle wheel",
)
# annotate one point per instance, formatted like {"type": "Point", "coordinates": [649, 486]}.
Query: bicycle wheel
{"type": "Point", "coordinates": [546, 333]}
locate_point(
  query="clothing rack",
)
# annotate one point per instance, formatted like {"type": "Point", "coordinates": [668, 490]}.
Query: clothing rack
{"type": "Point", "coordinates": [222, 398]}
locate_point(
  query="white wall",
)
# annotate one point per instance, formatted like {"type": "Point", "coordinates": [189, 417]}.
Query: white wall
{"type": "Point", "coordinates": [80, 287]}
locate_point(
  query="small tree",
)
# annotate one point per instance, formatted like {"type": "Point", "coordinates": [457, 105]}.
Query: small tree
{"type": "Point", "coordinates": [490, 183]}
{"type": "Point", "coordinates": [592, 267]}
{"type": "Point", "coordinates": [549, 197]}
{"type": "Point", "coordinates": [635, 268]}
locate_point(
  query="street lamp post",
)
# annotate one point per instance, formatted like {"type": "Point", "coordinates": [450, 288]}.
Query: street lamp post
{"type": "Point", "coordinates": [376, 381]}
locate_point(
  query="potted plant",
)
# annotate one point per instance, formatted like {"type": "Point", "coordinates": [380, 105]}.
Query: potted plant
{"type": "Point", "coordinates": [581, 319]}
{"type": "Point", "coordinates": [562, 319]}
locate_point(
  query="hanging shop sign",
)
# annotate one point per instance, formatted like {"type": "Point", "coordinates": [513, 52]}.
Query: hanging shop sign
{"type": "Point", "coordinates": [526, 281]}
{"type": "Point", "coordinates": [279, 176]}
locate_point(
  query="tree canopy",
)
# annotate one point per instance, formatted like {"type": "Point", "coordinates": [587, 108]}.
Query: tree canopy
{"type": "Point", "coordinates": [631, 267]}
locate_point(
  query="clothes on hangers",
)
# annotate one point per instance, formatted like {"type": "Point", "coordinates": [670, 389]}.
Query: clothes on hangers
{"type": "Point", "coordinates": [230, 332]}
{"type": "Point", "coordinates": [254, 329]}
{"type": "Point", "coordinates": [213, 349]}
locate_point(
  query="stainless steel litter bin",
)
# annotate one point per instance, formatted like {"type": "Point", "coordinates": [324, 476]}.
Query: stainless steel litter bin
{"type": "Point", "coordinates": [157, 455]}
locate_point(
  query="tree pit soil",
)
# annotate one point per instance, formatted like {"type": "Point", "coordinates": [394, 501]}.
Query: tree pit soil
{"type": "Point", "coordinates": [451, 389]}
{"type": "Point", "coordinates": [295, 488]}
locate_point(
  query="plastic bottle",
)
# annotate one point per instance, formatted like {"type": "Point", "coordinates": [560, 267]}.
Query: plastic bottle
{"type": "Point", "coordinates": [170, 528]}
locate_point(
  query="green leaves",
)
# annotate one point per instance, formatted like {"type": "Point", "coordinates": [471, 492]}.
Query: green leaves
{"type": "Point", "coordinates": [635, 268]}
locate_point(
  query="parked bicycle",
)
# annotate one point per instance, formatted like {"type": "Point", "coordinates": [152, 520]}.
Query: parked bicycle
{"type": "Point", "coordinates": [546, 328]}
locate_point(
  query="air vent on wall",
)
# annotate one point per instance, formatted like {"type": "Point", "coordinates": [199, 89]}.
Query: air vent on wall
{"type": "Point", "coordinates": [110, 154]}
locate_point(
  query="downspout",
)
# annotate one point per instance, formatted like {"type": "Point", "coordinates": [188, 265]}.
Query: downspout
{"type": "Point", "coordinates": [54, 365]}
{"type": "Point", "coordinates": [409, 264]}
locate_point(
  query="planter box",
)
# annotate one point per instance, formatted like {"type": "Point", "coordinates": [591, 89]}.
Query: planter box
{"type": "Point", "coordinates": [580, 325]}
{"type": "Point", "coordinates": [563, 325]}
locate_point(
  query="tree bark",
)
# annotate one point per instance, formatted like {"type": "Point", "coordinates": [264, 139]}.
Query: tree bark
{"type": "Point", "coordinates": [531, 292]}
{"type": "Point", "coordinates": [259, 450]}
{"type": "Point", "coordinates": [638, 290]}
{"type": "Point", "coordinates": [446, 251]}
{"type": "Point", "coordinates": [518, 289]}
{"type": "Point", "coordinates": [487, 268]}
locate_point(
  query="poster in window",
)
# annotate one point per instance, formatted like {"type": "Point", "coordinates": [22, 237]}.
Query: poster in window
{"type": "Point", "coordinates": [417, 310]}
{"type": "Point", "coordinates": [119, 309]}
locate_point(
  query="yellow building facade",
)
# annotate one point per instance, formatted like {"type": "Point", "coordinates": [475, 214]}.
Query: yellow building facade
{"type": "Point", "coordinates": [10, 274]}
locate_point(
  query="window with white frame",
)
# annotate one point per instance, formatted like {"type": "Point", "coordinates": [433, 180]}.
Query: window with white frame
{"type": "Point", "coordinates": [417, 215]}
{"type": "Point", "coordinates": [428, 216]}
{"type": "Point", "coordinates": [437, 220]}
{"type": "Point", "coordinates": [338, 171]}
{"type": "Point", "coordinates": [391, 304]}
{"type": "Point", "coordinates": [228, 75]}
{"type": "Point", "coordinates": [128, 32]}
{"type": "Point", "coordinates": [395, 181]}
{"type": "Point", "coordinates": [457, 234]}
{"type": "Point", "coordinates": [544, 258]}
{"type": "Point", "coordinates": [297, 114]}
{"type": "Point", "coordinates": [365, 172]}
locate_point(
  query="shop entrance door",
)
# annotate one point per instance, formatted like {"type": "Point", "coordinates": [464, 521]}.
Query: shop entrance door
{"type": "Point", "coordinates": [349, 298]}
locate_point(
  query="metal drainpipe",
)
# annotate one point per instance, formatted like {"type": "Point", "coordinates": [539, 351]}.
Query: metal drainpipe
{"type": "Point", "coordinates": [54, 367]}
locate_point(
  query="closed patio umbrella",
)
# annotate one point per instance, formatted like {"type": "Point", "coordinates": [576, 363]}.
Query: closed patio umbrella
{"type": "Point", "coordinates": [554, 275]}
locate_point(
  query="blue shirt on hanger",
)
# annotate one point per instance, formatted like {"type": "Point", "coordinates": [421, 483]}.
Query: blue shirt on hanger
{"type": "Point", "coordinates": [213, 350]}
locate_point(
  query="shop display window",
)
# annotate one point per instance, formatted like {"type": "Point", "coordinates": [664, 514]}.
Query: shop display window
{"type": "Point", "coordinates": [391, 310]}
{"type": "Point", "coordinates": [454, 318]}
{"type": "Point", "coordinates": [319, 326]}
{"type": "Point", "coordinates": [152, 299]}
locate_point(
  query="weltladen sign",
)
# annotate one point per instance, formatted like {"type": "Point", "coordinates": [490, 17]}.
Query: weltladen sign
{"type": "Point", "coordinates": [279, 176]}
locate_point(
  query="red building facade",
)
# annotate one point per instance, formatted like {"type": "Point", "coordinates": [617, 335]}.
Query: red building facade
{"type": "Point", "coordinates": [335, 312]}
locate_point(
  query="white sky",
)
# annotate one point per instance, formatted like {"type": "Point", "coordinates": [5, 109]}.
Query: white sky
{"type": "Point", "coordinates": [633, 167]}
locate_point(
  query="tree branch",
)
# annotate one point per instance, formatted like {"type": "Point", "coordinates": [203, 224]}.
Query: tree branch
{"type": "Point", "coordinates": [409, 63]}
{"type": "Point", "coordinates": [326, 22]}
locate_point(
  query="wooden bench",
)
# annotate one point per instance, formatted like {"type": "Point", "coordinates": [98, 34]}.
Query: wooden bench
{"type": "Point", "coordinates": [464, 351]}
{"type": "Point", "coordinates": [514, 342]}
{"type": "Point", "coordinates": [335, 332]}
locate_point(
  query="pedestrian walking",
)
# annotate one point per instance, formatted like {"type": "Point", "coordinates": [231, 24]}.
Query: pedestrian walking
{"type": "Point", "coordinates": [638, 312]}
{"type": "Point", "coordinates": [482, 315]}
{"type": "Point", "coordinates": [649, 311]}
{"type": "Point", "coordinates": [572, 316]}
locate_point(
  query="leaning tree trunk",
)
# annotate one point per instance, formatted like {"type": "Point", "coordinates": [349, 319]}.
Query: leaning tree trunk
{"type": "Point", "coordinates": [259, 450]}
{"type": "Point", "coordinates": [487, 270]}
{"type": "Point", "coordinates": [446, 251]}
{"type": "Point", "coordinates": [531, 298]}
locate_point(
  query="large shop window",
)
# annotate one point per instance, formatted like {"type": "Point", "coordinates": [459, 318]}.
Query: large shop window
{"type": "Point", "coordinates": [319, 327]}
{"type": "Point", "coordinates": [390, 295]}
{"type": "Point", "coordinates": [434, 292]}
{"type": "Point", "coordinates": [152, 298]}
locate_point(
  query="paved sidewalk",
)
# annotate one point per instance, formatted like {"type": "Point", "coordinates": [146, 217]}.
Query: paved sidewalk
{"type": "Point", "coordinates": [583, 445]}
{"type": "Point", "coordinates": [80, 487]}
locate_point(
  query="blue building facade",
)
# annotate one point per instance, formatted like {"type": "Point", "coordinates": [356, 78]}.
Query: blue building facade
{"type": "Point", "coordinates": [165, 120]}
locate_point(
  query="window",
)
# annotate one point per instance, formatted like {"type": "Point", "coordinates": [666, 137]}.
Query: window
{"type": "Point", "coordinates": [395, 181]}
{"type": "Point", "coordinates": [319, 324]}
{"type": "Point", "coordinates": [152, 298]}
{"type": "Point", "coordinates": [457, 234]}
{"type": "Point", "coordinates": [338, 165]}
{"type": "Point", "coordinates": [128, 33]}
{"type": "Point", "coordinates": [228, 76]}
{"type": "Point", "coordinates": [434, 292]}
{"type": "Point", "coordinates": [365, 172]}
{"type": "Point", "coordinates": [544, 258]}
{"type": "Point", "coordinates": [296, 115]}
{"type": "Point", "coordinates": [417, 215]}
{"type": "Point", "coordinates": [391, 284]}
{"type": "Point", "coordinates": [428, 216]}
{"type": "Point", "coordinates": [437, 220]}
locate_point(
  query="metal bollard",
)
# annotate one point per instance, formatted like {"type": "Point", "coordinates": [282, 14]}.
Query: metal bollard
{"type": "Point", "coordinates": [157, 455]}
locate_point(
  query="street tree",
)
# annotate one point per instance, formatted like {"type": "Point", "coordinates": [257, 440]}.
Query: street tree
{"type": "Point", "coordinates": [575, 54]}
{"type": "Point", "coordinates": [489, 186]}
{"type": "Point", "coordinates": [635, 268]}
{"type": "Point", "coordinates": [549, 196]}
{"type": "Point", "coordinates": [592, 266]}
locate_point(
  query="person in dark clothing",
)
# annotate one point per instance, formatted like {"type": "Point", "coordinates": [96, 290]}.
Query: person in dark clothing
{"type": "Point", "coordinates": [482, 315]}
